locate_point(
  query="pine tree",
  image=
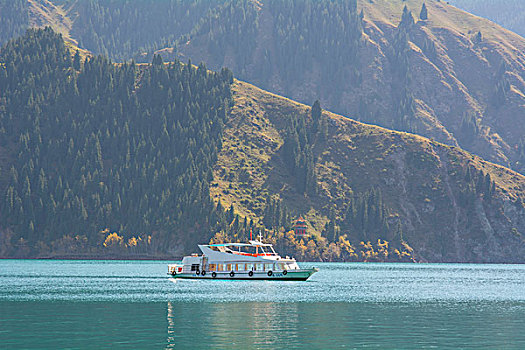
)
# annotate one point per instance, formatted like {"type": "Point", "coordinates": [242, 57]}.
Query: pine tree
{"type": "Point", "coordinates": [316, 112]}
{"type": "Point", "coordinates": [330, 231]}
{"type": "Point", "coordinates": [407, 19]}
{"type": "Point", "coordinates": [478, 38]}
{"type": "Point", "coordinates": [76, 61]}
{"type": "Point", "coordinates": [157, 137]}
{"type": "Point", "coordinates": [423, 15]}
{"type": "Point", "coordinates": [157, 60]}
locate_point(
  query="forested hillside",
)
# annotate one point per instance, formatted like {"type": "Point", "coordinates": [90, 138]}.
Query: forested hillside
{"type": "Point", "coordinates": [105, 159]}
{"type": "Point", "coordinates": [14, 19]}
{"type": "Point", "coordinates": [121, 29]}
{"type": "Point", "coordinates": [124, 159]}
{"type": "Point", "coordinates": [433, 70]}
{"type": "Point", "coordinates": [507, 13]}
{"type": "Point", "coordinates": [91, 147]}
{"type": "Point", "coordinates": [366, 192]}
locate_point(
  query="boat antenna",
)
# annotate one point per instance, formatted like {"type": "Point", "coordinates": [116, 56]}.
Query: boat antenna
{"type": "Point", "coordinates": [260, 236]}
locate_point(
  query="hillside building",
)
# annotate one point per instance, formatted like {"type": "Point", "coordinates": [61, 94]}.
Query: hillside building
{"type": "Point", "coordinates": [300, 227]}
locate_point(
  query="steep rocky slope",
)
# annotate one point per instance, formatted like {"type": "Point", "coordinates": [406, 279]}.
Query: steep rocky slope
{"type": "Point", "coordinates": [423, 182]}
{"type": "Point", "coordinates": [437, 77]}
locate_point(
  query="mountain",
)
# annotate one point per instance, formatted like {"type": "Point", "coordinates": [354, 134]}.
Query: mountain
{"type": "Point", "coordinates": [507, 13]}
{"type": "Point", "coordinates": [440, 196]}
{"type": "Point", "coordinates": [452, 76]}
{"type": "Point", "coordinates": [103, 159]}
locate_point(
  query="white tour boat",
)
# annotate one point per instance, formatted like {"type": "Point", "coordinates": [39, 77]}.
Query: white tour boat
{"type": "Point", "coordinates": [239, 261]}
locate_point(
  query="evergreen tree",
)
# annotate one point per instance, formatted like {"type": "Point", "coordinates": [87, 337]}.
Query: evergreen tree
{"type": "Point", "coordinates": [407, 20]}
{"type": "Point", "coordinates": [478, 38]}
{"type": "Point", "coordinates": [157, 60]}
{"type": "Point", "coordinates": [331, 230]}
{"type": "Point", "coordinates": [316, 113]}
{"type": "Point", "coordinates": [423, 15]}
{"type": "Point", "coordinates": [76, 61]}
{"type": "Point", "coordinates": [366, 218]}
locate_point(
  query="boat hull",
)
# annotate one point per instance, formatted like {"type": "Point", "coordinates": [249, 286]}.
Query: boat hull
{"type": "Point", "coordinates": [295, 275]}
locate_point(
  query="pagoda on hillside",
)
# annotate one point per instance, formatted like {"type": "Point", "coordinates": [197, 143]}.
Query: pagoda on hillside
{"type": "Point", "coordinates": [300, 227]}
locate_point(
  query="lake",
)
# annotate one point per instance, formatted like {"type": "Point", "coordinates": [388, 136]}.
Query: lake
{"type": "Point", "coordinates": [50, 304]}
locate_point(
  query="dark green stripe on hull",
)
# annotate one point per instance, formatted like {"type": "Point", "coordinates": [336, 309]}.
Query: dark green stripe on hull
{"type": "Point", "coordinates": [302, 275]}
{"type": "Point", "coordinates": [243, 278]}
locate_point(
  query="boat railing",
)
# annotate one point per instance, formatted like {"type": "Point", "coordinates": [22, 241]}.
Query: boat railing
{"type": "Point", "coordinates": [253, 254]}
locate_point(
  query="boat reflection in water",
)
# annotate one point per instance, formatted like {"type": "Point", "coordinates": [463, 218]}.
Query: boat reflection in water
{"type": "Point", "coordinates": [231, 325]}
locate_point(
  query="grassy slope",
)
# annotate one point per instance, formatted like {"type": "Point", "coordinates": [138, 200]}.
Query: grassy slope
{"type": "Point", "coordinates": [56, 15]}
{"type": "Point", "coordinates": [44, 13]}
{"type": "Point", "coordinates": [460, 79]}
{"type": "Point", "coordinates": [420, 179]}
{"type": "Point", "coordinates": [464, 69]}
{"type": "Point", "coordinates": [441, 15]}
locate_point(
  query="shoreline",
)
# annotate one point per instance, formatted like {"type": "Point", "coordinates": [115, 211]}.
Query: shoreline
{"type": "Point", "coordinates": [79, 257]}
{"type": "Point", "coordinates": [168, 258]}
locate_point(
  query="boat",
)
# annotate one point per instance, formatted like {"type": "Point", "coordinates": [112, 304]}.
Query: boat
{"type": "Point", "coordinates": [240, 261]}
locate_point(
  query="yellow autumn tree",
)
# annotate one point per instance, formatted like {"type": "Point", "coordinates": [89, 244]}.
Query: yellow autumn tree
{"type": "Point", "coordinates": [113, 240]}
{"type": "Point", "coordinates": [347, 250]}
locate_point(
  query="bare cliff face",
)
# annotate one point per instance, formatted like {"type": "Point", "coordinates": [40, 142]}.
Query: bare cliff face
{"type": "Point", "coordinates": [438, 72]}
{"type": "Point", "coordinates": [434, 191]}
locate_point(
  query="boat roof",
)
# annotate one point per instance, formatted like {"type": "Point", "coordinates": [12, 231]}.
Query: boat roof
{"type": "Point", "coordinates": [251, 244]}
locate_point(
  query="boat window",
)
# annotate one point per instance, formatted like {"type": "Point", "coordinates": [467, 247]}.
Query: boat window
{"type": "Point", "coordinates": [222, 249]}
{"type": "Point", "coordinates": [260, 267]}
{"type": "Point", "coordinates": [194, 267]}
{"type": "Point", "coordinates": [228, 267]}
{"type": "Point", "coordinates": [269, 267]}
{"type": "Point", "coordinates": [219, 266]}
{"type": "Point", "coordinates": [246, 250]}
{"type": "Point", "coordinates": [212, 267]}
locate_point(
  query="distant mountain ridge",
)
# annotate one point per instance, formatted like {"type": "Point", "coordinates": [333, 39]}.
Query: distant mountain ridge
{"type": "Point", "coordinates": [507, 13]}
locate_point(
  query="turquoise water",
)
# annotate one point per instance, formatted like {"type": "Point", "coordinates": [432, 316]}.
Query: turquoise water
{"type": "Point", "coordinates": [123, 305]}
